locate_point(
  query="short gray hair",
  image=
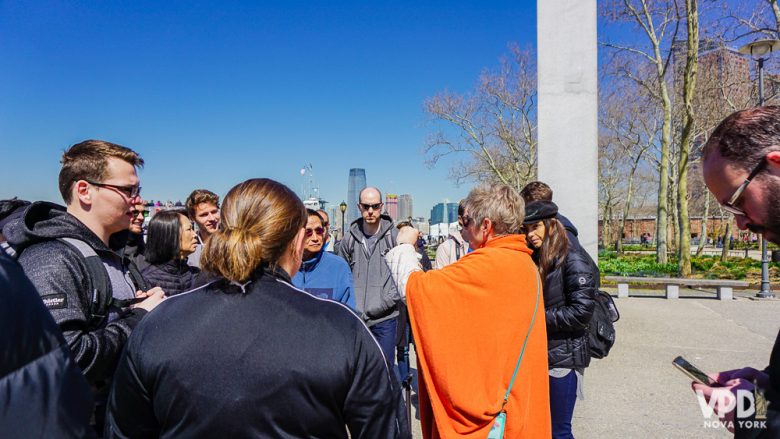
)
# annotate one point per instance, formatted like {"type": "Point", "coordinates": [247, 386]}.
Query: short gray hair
{"type": "Point", "coordinates": [501, 203]}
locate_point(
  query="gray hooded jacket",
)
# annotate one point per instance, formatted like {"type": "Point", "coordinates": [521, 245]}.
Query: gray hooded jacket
{"type": "Point", "coordinates": [376, 295]}
{"type": "Point", "coordinates": [61, 278]}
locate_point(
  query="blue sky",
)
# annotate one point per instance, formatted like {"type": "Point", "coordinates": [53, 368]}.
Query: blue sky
{"type": "Point", "coordinates": [212, 93]}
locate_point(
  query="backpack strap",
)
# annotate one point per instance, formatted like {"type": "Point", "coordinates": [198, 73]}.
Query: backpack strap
{"type": "Point", "coordinates": [100, 284]}
{"type": "Point", "coordinates": [457, 247]}
{"type": "Point", "coordinates": [135, 275]}
{"type": "Point", "coordinates": [347, 247]}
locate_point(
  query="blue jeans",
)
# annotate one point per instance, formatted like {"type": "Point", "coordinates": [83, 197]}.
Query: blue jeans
{"type": "Point", "coordinates": [563, 395]}
{"type": "Point", "coordinates": [385, 333]}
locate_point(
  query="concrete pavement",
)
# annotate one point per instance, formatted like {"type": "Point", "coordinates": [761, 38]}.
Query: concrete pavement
{"type": "Point", "coordinates": [637, 393]}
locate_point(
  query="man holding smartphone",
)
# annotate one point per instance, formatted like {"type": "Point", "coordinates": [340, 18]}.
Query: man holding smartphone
{"type": "Point", "coordinates": [741, 167]}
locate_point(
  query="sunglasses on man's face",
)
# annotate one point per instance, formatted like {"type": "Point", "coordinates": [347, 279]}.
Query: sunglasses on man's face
{"type": "Point", "coordinates": [318, 230]}
{"type": "Point", "coordinates": [370, 206]}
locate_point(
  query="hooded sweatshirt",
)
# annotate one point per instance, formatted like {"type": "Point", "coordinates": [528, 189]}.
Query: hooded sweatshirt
{"type": "Point", "coordinates": [376, 294]}
{"type": "Point", "coordinates": [61, 277]}
{"type": "Point", "coordinates": [326, 276]}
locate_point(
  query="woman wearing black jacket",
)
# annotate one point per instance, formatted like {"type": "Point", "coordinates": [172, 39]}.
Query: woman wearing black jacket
{"type": "Point", "coordinates": [170, 240]}
{"type": "Point", "coordinates": [570, 281]}
{"type": "Point", "coordinates": [248, 354]}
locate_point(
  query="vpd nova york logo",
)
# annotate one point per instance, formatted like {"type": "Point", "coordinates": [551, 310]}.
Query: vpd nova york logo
{"type": "Point", "coordinates": [749, 409]}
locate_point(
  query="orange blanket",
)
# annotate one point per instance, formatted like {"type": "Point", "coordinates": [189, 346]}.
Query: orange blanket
{"type": "Point", "coordinates": [469, 321]}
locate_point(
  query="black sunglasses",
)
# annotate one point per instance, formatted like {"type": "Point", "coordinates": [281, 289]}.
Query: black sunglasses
{"type": "Point", "coordinates": [370, 206]}
{"type": "Point", "coordinates": [127, 191]}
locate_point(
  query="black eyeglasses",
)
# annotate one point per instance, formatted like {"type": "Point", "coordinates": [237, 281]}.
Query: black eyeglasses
{"type": "Point", "coordinates": [127, 191]}
{"type": "Point", "coordinates": [318, 230]}
{"type": "Point", "coordinates": [376, 206]}
{"type": "Point", "coordinates": [729, 206]}
{"type": "Point", "coordinates": [466, 220]}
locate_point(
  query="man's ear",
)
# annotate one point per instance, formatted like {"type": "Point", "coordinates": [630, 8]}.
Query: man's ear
{"type": "Point", "coordinates": [773, 159]}
{"type": "Point", "coordinates": [81, 192]}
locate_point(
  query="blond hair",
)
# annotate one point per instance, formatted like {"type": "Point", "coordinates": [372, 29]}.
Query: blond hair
{"type": "Point", "coordinates": [501, 203]}
{"type": "Point", "coordinates": [259, 220]}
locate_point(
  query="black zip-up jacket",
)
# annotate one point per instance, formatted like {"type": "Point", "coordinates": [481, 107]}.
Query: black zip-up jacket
{"type": "Point", "coordinates": [569, 300]}
{"type": "Point", "coordinates": [59, 274]}
{"type": "Point", "coordinates": [42, 391]}
{"type": "Point", "coordinates": [174, 276]}
{"type": "Point", "coordinates": [130, 245]}
{"type": "Point", "coordinates": [259, 360]}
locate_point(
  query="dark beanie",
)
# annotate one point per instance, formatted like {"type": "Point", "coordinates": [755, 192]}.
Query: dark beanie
{"type": "Point", "coordinates": [536, 211]}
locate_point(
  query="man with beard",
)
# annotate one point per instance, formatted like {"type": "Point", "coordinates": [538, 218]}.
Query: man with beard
{"type": "Point", "coordinates": [741, 167]}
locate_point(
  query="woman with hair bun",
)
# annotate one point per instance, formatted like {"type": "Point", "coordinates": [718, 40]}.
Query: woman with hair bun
{"type": "Point", "coordinates": [249, 355]}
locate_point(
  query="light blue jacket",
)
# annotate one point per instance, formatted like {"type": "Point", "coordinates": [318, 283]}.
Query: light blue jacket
{"type": "Point", "coordinates": [326, 276]}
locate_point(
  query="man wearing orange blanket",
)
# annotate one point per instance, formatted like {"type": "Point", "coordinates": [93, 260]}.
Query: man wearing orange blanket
{"type": "Point", "coordinates": [470, 321]}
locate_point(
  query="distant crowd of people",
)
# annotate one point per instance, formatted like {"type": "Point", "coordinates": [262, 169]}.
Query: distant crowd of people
{"type": "Point", "coordinates": [243, 318]}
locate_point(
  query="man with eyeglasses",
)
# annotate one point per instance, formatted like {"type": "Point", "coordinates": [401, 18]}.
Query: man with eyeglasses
{"type": "Point", "coordinates": [96, 296]}
{"type": "Point", "coordinates": [741, 168]}
{"type": "Point", "coordinates": [364, 245]}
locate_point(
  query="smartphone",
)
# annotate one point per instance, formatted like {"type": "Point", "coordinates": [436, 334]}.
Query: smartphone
{"type": "Point", "coordinates": [694, 372]}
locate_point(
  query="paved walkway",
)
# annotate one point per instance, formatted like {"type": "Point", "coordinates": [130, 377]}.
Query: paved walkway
{"type": "Point", "coordinates": [637, 393]}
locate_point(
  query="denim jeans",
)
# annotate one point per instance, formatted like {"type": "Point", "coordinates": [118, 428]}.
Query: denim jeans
{"type": "Point", "coordinates": [385, 334]}
{"type": "Point", "coordinates": [563, 395]}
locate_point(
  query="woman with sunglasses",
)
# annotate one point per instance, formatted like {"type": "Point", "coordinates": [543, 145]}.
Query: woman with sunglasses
{"type": "Point", "coordinates": [570, 279]}
{"type": "Point", "coordinates": [323, 274]}
{"type": "Point", "coordinates": [170, 240]}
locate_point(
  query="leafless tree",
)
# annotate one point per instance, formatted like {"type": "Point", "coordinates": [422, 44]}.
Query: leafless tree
{"type": "Point", "coordinates": [658, 22]}
{"type": "Point", "coordinates": [493, 128]}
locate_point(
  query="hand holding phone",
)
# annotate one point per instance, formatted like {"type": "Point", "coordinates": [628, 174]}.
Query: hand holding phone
{"type": "Point", "coordinates": [694, 372]}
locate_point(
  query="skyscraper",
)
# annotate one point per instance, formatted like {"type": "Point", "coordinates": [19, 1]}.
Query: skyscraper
{"type": "Point", "coordinates": [391, 206]}
{"type": "Point", "coordinates": [444, 213]}
{"type": "Point", "coordinates": [439, 214]}
{"type": "Point", "coordinates": [405, 209]}
{"type": "Point", "coordinates": [357, 182]}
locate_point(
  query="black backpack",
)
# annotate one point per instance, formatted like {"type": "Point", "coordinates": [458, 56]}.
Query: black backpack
{"type": "Point", "coordinates": [100, 284]}
{"type": "Point", "coordinates": [601, 330]}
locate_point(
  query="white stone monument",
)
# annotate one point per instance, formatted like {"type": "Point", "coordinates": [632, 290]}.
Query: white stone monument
{"type": "Point", "coordinates": [568, 111]}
